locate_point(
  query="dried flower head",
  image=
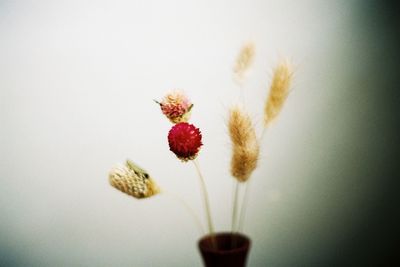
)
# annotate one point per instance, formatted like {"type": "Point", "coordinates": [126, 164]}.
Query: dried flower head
{"type": "Point", "coordinates": [133, 180]}
{"type": "Point", "coordinates": [279, 91]}
{"type": "Point", "coordinates": [184, 140]}
{"type": "Point", "coordinates": [244, 61]}
{"type": "Point", "coordinates": [176, 106]}
{"type": "Point", "coordinates": [245, 147]}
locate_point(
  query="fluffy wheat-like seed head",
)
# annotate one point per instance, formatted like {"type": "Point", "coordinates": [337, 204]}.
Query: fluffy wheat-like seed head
{"type": "Point", "coordinates": [245, 147]}
{"type": "Point", "coordinates": [244, 61]}
{"type": "Point", "coordinates": [279, 91]}
{"type": "Point", "coordinates": [244, 162]}
{"type": "Point", "coordinates": [240, 126]}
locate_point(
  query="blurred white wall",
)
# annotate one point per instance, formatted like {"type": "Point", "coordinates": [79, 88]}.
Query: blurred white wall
{"type": "Point", "coordinates": [77, 83]}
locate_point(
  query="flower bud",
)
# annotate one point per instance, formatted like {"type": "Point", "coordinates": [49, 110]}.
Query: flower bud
{"type": "Point", "coordinates": [176, 106]}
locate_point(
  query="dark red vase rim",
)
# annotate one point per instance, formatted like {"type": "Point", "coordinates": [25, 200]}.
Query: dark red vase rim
{"type": "Point", "coordinates": [241, 238]}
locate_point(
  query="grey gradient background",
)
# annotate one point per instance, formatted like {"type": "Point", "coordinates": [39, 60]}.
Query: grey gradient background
{"type": "Point", "coordinates": [77, 80]}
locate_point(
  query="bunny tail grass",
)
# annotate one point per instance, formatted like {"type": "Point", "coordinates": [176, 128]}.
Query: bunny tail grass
{"type": "Point", "coordinates": [243, 62]}
{"type": "Point", "coordinates": [245, 146]}
{"type": "Point", "coordinates": [279, 91]}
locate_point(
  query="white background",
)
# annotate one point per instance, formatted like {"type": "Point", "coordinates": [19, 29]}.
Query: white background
{"type": "Point", "coordinates": [77, 83]}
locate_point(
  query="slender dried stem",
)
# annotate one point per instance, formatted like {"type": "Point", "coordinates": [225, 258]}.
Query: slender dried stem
{"type": "Point", "coordinates": [206, 203]}
{"type": "Point", "coordinates": [235, 205]}
{"type": "Point", "coordinates": [188, 208]}
{"type": "Point", "coordinates": [243, 207]}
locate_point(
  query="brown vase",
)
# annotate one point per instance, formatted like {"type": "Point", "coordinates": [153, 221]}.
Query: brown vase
{"type": "Point", "coordinates": [225, 249]}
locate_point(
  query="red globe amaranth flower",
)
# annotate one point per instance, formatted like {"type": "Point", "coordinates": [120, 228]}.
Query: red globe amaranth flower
{"type": "Point", "coordinates": [184, 140]}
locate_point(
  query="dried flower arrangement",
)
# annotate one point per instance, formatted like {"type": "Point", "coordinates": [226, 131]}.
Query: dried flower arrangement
{"type": "Point", "coordinates": [185, 140]}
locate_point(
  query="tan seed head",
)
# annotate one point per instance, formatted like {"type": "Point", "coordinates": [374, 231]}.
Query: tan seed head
{"type": "Point", "coordinates": [134, 182]}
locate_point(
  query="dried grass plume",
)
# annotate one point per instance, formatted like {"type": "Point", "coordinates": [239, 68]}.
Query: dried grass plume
{"type": "Point", "coordinates": [279, 91]}
{"type": "Point", "coordinates": [245, 147]}
{"type": "Point", "coordinates": [244, 61]}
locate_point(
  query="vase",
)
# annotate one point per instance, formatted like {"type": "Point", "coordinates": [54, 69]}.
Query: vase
{"type": "Point", "coordinates": [224, 249]}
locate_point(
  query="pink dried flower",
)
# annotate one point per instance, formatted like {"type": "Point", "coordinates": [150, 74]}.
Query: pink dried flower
{"type": "Point", "coordinates": [176, 106]}
{"type": "Point", "coordinates": [184, 140]}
